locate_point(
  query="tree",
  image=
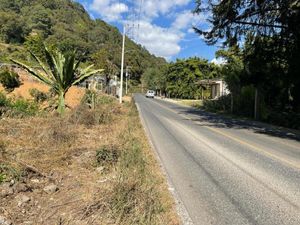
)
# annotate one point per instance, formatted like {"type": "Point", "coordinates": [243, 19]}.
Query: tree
{"type": "Point", "coordinates": [66, 25]}
{"type": "Point", "coordinates": [232, 71]}
{"type": "Point", "coordinates": [40, 21]}
{"type": "Point", "coordinates": [233, 19]}
{"type": "Point", "coordinates": [60, 73]}
{"type": "Point", "coordinates": [268, 32]}
{"type": "Point", "coordinates": [12, 29]}
{"type": "Point", "coordinates": [155, 79]}
{"type": "Point", "coordinates": [182, 77]}
{"type": "Point", "coordinates": [102, 59]}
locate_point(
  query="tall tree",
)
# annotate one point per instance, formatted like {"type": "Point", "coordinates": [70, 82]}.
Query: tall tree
{"type": "Point", "coordinates": [269, 31]}
{"type": "Point", "coordinates": [182, 77]}
{"type": "Point", "coordinates": [232, 19]}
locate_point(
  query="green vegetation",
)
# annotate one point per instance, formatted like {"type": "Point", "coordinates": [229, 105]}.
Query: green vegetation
{"type": "Point", "coordinates": [38, 96]}
{"type": "Point", "coordinates": [180, 79]}
{"type": "Point", "coordinates": [17, 107]}
{"type": "Point", "coordinates": [61, 72]}
{"type": "Point", "coordinates": [265, 69]}
{"type": "Point", "coordinates": [29, 23]}
{"type": "Point", "coordinates": [132, 191]}
{"type": "Point", "coordinates": [8, 172]}
{"type": "Point", "coordinates": [9, 80]}
{"type": "Point", "coordinates": [155, 79]}
{"type": "Point", "coordinates": [183, 75]}
{"type": "Point", "coordinates": [107, 155]}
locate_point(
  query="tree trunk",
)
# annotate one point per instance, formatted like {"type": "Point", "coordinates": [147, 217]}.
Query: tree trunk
{"type": "Point", "coordinates": [61, 103]}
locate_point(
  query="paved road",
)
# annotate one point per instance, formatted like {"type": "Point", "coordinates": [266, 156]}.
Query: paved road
{"type": "Point", "coordinates": [226, 171]}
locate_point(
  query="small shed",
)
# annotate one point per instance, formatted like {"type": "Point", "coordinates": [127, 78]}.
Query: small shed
{"type": "Point", "coordinates": [218, 87]}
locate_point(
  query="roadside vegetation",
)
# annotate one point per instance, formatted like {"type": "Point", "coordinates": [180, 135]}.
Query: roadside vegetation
{"type": "Point", "coordinates": [260, 58]}
{"type": "Point", "coordinates": [88, 162]}
{"type": "Point", "coordinates": [92, 166]}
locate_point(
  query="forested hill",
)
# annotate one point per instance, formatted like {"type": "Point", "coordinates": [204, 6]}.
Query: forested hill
{"type": "Point", "coordinates": [67, 25]}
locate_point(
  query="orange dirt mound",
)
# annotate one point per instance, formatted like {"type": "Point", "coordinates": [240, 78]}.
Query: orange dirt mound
{"type": "Point", "coordinates": [73, 96]}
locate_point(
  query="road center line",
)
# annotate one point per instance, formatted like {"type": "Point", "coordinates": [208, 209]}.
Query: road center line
{"type": "Point", "coordinates": [253, 147]}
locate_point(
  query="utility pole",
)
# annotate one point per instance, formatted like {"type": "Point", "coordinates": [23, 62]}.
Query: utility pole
{"type": "Point", "coordinates": [122, 65]}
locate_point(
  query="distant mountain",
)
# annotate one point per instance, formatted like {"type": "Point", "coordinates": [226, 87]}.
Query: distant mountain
{"type": "Point", "coordinates": [67, 25]}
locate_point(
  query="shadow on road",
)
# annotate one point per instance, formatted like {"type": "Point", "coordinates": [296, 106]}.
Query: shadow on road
{"type": "Point", "coordinates": [220, 121]}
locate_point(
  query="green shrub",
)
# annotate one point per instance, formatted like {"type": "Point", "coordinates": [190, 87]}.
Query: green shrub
{"type": "Point", "coordinates": [107, 155]}
{"type": "Point", "coordinates": [17, 108]}
{"type": "Point", "coordinates": [38, 95]}
{"type": "Point", "coordinates": [8, 172]}
{"type": "Point", "coordinates": [9, 80]}
{"type": "Point", "coordinates": [93, 99]}
{"type": "Point", "coordinates": [221, 104]}
{"type": "Point", "coordinates": [22, 107]}
{"type": "Point", "coordinates": [5, 103]}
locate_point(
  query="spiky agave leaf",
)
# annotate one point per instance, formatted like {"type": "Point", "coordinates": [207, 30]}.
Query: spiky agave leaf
{"type": "Point", "coordinates": [62, 73]}
{"type": "Point", "coordinates": [86, 75]}
{"type": "Point", "coordinates": [35, 73]}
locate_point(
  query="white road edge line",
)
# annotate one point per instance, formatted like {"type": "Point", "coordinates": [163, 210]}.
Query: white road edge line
{"type": "Point", "coordinates": [180, 207]}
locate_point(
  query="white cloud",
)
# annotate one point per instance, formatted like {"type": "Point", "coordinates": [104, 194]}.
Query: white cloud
{"type": "Point", "coordinates": [159, 41]}
{"type": "Point", "coordinates": [154, 8]}
{"type": "Point", "coordinates": [186, 20]}
{"type": "Point", "coordinates": [218, 61]}
{"type": "Point", "coordinates": [110, 10]}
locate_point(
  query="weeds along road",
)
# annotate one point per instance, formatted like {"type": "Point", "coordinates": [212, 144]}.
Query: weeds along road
{"type": "Point", "coordinates": [226, 171]}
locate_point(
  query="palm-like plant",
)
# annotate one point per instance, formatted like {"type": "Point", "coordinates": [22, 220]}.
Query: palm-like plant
{"type": "Point", "coordinates": [60, 72]}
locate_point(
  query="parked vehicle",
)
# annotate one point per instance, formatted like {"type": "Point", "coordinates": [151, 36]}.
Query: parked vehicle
{"type": "Point", "coordinates": [150, 94]}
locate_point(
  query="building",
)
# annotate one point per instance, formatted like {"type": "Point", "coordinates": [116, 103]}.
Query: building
{"type": "Point", "coordinates": [217, 87]}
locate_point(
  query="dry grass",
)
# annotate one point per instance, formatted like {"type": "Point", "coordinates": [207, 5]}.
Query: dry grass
{"type": "Point", "coordinates": [193, 103]}
{"type": "Point", "coordinates": [38, 151]}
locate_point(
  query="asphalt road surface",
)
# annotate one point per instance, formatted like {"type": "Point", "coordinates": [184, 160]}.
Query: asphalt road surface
{"type": "Point", "coordinates": [225, 171]}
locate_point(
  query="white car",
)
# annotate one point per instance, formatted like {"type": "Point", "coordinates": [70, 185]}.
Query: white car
{"type": "Point", "coordinates": [150, 94]}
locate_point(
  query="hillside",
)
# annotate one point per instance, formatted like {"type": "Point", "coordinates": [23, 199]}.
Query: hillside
{"type": "Point", "coordinates": [67, 25]}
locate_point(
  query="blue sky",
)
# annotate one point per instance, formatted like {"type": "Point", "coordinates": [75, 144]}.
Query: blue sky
{"type": "Point", "coordinates": [164, 27]}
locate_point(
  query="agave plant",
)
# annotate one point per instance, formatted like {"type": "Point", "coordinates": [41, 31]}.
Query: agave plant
{"type": "Point", "coordinates": [60, 72]}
